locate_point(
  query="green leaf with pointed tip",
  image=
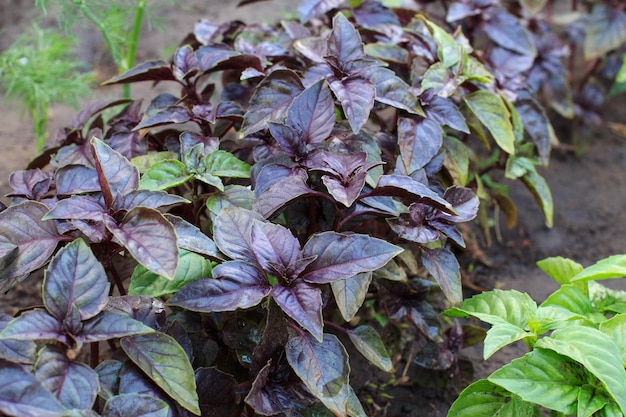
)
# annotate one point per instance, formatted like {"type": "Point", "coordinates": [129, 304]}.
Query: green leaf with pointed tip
{"type": "Point", "coordinates": [191, 267]}
{"type": "Point", "coordinates": [596, 351]}
{"type": "Point", "coordinates": [354, 406]}
{"type": "Point", "coordinates": [611, 267]}
{"type": "Point", "coordinates": [543, 377]}
{"type": "Point", "coordinates": [75, 276]}
{"type": "Point", "coordinates": [615, 327]}
{"type": "Point", "coordinates": [560, 269]}
{"type": "Point", "coordinates": [368, 342]}
{"type": "Point", "coordinates": [448, 51]}
{"type": "Point", "coordinates": [144, 162]}
{"type": "Point", "coordinates": [481, 398]}
{"type": "Point", "coordinates": [323, 367]}
{"type": "Point", "coordinates": [456, 160]}
{"type": "Point", "coordinates": [605, 30]}
{"type": "Point", "coordinates": [165, 362]}
{"type": "Point", "coordinates": [492, 112]}
{"type": "Point", "coordinates": [571, 298]}
{"type": "Point", "coordinates": [135, 405]}
{"type": "Point", "coordinates": [590, 400]}
{"type": "Point", "coordinates": [164, 174]}
{"type": "Point", "coordinates": [350, 293]}
{"type": "Point", "coordinates": [22, 395]}
{"type": "Point", "coordinates": [224, 164]}
{"type": "Point", "coordinates": [541, 192]}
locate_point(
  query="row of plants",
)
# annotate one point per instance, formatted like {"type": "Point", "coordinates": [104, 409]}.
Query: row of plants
{"type": "Point", "coordinates": [301, 192]}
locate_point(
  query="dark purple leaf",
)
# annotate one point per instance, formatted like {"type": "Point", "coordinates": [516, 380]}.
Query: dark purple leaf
{"type": "Point", "coordinates": [18, 351]}
{"type": "Point", "coordinates": [419, 141]}
{"type": "Point", "coordinates": [185, 63]}
{"type": "Point", "coordinates": [464, 202]}
{"type": "Point", "coordinates": [443, 266]}
{"type": "Point", "coordinates": [232, 230]}
{"type": "Point", "coordinates": [605, 30]}
{"type": "Point", "coordinates": [119, 174]}
{"type": "Point", "coordinates": [218, 392]}
{"type": "Point", "coordinates": [205, 30]}
{"type": "Point", "coordinates": [344, 44]}
{"type": "Point", "coordinates": [258, 398]}
{"type": "Point", "coordinates": [191, 238]}
{"type": "Point", "coordinates": [275, 247]}
{"type": "Point", "coordinates": [150, 311]}
{"type": "Point", "coordinates": [340, 256]}
{"type": "Point", "coordinates": [76, 179]}
{"type": "Point", "coordinates": [288, 138]}
{"type": "Point", "coordinates": [507, 31]}
{"type": "Point", "coordinates": [90, 110]}
{"type": "Point", "coordinates": [295, 30]}
{"type": "Point", "coordinates": [449, 230]}
{"type": "Point", "coordinates": [34, 324]}
{"type": "Point", "coordinates": [22, 395]}
{"type": "Point", "coordinates": [149, 238]}
{"type": "Point", "coordinates": [388, 52]}
{"type": "Point", "coordinates": [309, 9]}
{"type": "Point", "coordinates": [111, 325]}
{"type": "Point", "coordinates": [391, 89]}
{"type": "Point", "coordinates": [161, 358]}
{"type": "Point", "coordinates": [420, 232]}
{"type": "Point", "coordinates": [272, 98]}
{"type": "Point", "coordinates": [368, 342]}
{"type": "Point", "coordinates": [345, 194]}
{"type": "Point", "coordinates": [268, 174]}
{"type": "Point", "coordinates": [371, 14]}
{"type": "Point", "coordinates": [443, 111]}
{"type": "Point", "coordinates": [337, 164]}
{"type": "Point", "coordinates": [78, 207]}
{"type": "Point", "coordinates": [73, 383]}
{"type": "Point", "coordinates": [135, 405]}
{"type": "Point", "coordinates": [128, 143]}
{"type": "Point", "coordinates": [323, 367]}
{"type": "Point", "coordinates": [219, 57]}
{"type": "Point", "coordinates": [315, 49]}
{"type": "Point", "coordinates": [273, 340]}
{"type": "Point", "coordinates": [147, 71]}
{"type": "Point", "coordinates": [31, 184]}
{"type": "Point", "coordinates": [459, 10]}
{"type": "Point", "coordinates": [303, 303]}
{"type": "Point", "coordinates": [536, 123]}
{"type": "Point", "coordinates": [235, 285]}
{"type": "Point", "coordinates": [109, 377]}
{"type": "Point", "coordinates": [75, 277]}
{"type": "Point", "coordinates": [282, 192]}
{"type": "Point", "coordinates": [356, 95]}
{"type": "Point", "coordinates": [151, 199]}
{"type": "Point", "coordinates": [312, 113]}
{"type": "Point", "coordinates": [36, 240]}
{"type": "Point", "coordinates": [169, 115]}
{"type": "Point", "coordinates": [350, 293]}
{"type": "Point", "coordinates": [410, 190]}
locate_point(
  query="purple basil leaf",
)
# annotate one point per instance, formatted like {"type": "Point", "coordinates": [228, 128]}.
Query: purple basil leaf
{"type": "Point", "coordinates": [288, 138]}
{"type": "Point", "coordinates": [111, 325]}
{"type": "Point", "coordinates": [31, 184]}
{"type": "Point", "coordinates": [303, 303]}
{"type": "Point", "coordinates": [507, 31]}
{"type": "Point", "coordinates": [81, 207]}
{"type": "Point", "coordinates": [282, 192]}
{"type": "Point", "coordinates": [350, 293]}
{"type": "Point", "coordinates": [271, 100]}
{"type": "Point", "coordinates": [90, 110]}
{"type": "Point", "coordinates": [443, 111]}
{"type": "Point", "coordinates": [232, 230]}
{"type": "Point", "coordinates": [128, 143]}
{"type": "Point", "coordinates": [75, 277]}
{"type": "Point", "coordinates": [73, 383]}
{"type": "Point", "coordinates": [36, 240]}
{"type": "Point", "coordinates": [341, 256]}
{"type": "Point", "coordinates": [530, 111]}
{"type": "Point", "coordinates": [18, 351]}
{"type": "Point", "coordinates": [135, 405]}
{"type": "Point", "coordinates": [372, 13]}
{"type": "Point", "coordinates": [204, 30]}
{"type": "Point", "coordinates": [419, 141]}
{"type": "Point", "coordinates": [295, 30]}
{"type": "Point", "coordinates": [275, 247]}
{"type": "Point", "coordinates": [147, 310]}
{"type": "Point", "coordinates": [459, 10]}
{"type": "Point", "coordinates": [76, 179]}
{"type": "Point", "coordinates": [149, 238]}
{"type": "Point", "coordinates": [185, 63]}
{"type": "Point", "coordinates": [464, 202]}
{"type": "Point", "coordinates": [119, 175]}
{"type": "Point", "coordinates": [220, 57]}
{"type": "Point", "coordinates": [167, 116]}
{"type": "Point", "coordinates": [315, 49]}
{"type": "Point", "coordinates": [345, 44]}
{"type": "Point", "coordinates": [345, 194]}
{"type": "Point", "coordinates": [323, 367]}
{"type": "Point", "coordinates": [35, 324]}
{"type": "Point", "coordinates": [413, 232]}
{"type": "Point", "coordinates": [22, 395]}
{"type": "Point", "coordinates": [604, 30]}
{"type": "Point", "coordinates": [443, 266]}
{"type": "Point", "coordinates": [449, 230]}
{"type": "Point", "coordinates": [165, 362]}
{"type": "Point", "coordinates": [410, 190]}
{"type": "Point", "coordinates": [274, 337]}
{"type": "Point", "coordinates": [235, 285]}
{"type": "Point", "coordinates": [151, 199]}
{"type": "Point", "coordinates": [356, 95]}
{"type": "Point", "coordinates": [309, 9]}
{"type": "Point", "coordinates": [268, 174]}
{"type": "Point", "coordinates": [191, 238]}
{"type": "Point", "coordinates": [312, 113]}
{"type": "Point", "coordinates": [258, 398]}
{"type": "Point", "coordinates": [109, 376]}
{"type": "Point", "coordinates": [219, 392]}
{"type": "Point", "coordinates": [147, 71]}
{"type": "Point", "coordinates": [391, 89]}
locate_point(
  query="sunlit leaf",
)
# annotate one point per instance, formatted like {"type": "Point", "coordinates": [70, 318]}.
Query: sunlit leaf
{"type": "Point", "coordinates": [369, 344]}
{"type": "Point", "coordinates": [356, 96]}
{"type": "Point", "coordinates": [611, 267]}
{"type": "Point", "coordinates": [303, 303]}
{"type": "Point", "coordinates": [491, 111]}
{"type": "Point", "coordinates": [164, 174]}
{"type": "Point", "coordinates": [350, 293]}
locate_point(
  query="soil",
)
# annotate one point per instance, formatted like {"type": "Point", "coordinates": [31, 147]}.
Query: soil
{"type": "Point", "coordinates": [589, 197]}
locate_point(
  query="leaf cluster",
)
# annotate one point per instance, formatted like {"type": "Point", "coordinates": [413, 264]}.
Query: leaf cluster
{"type": "Point", "coordinates": [576, 339]}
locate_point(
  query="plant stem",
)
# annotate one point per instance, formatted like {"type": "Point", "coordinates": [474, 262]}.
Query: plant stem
{"type": "Point", "coordinates": [39, 114]}
{"type": "Point", "coordinates": [131, 55]}
{"type": "Point", "coordinates": [97, 21]}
